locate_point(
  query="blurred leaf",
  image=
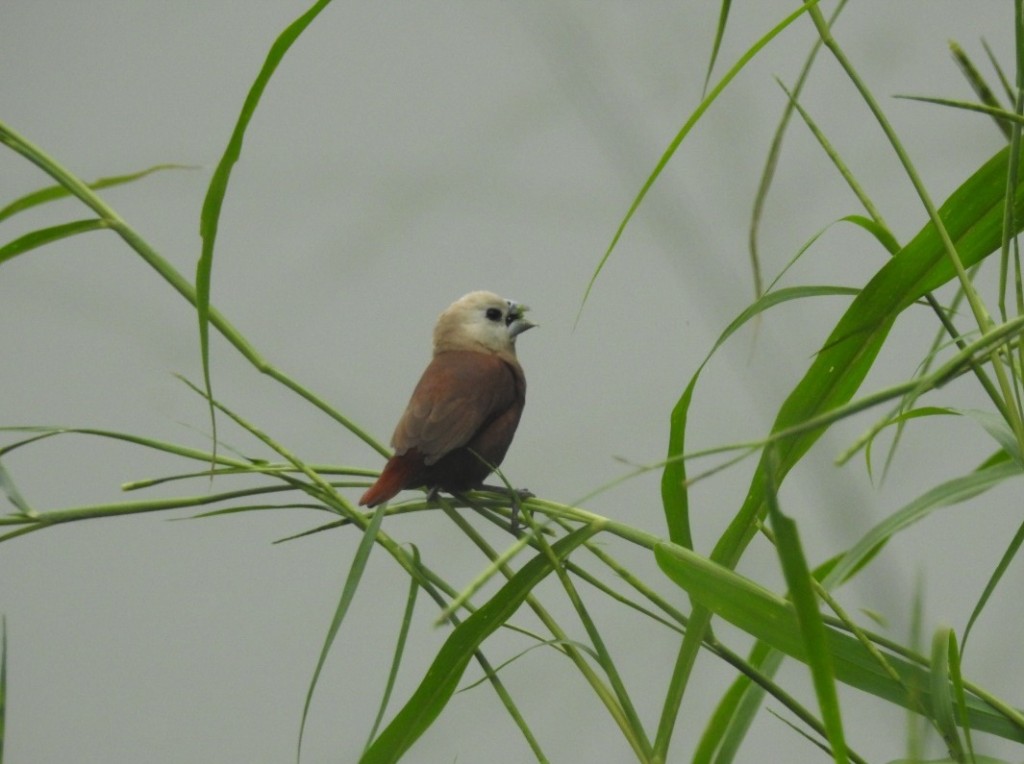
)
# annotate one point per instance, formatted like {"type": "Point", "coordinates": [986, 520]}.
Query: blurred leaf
{"type": "Point", "coordinates": [978, 84]}
{"type": "Point", "coordinates": [10, 490]}
{"type": "Point", "coordinates": [439, 683]}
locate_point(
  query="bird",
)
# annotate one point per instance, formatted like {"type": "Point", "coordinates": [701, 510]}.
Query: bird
{"type": "Point", "coordinates": [465, 409]}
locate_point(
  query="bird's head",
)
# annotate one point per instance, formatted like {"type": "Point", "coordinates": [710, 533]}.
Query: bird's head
{"type": "Point", "coordinates": [481, 321]}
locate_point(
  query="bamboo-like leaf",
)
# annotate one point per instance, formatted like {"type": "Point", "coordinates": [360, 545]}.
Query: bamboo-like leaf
{"type": "Point", "coordinates": [210, 216]}
{"type": "Point", "coordinates": [439, 683]}
{"type": "Point", "coordinates": [770, 618]}
{"type": "Point", "coordinates": [45, 236]}
{"type": "Point", "coordinates": [348, 592]}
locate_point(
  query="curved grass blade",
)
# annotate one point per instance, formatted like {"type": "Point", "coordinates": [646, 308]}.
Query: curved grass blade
{"type": "Point", "coordinates": [352, 580]}
{"type": "Point", "coordinates": [53, 193]}
{"type": "Point", "coordinates": [673, 478]}
{"type": "Point", "coordinates": [671, 150]}
{"type": "Point", "coordinates": [45, 236]}
{"type": "Point", "coordinates": [440, 681]}
{"type": "Point", "coordinates": [210, 216]}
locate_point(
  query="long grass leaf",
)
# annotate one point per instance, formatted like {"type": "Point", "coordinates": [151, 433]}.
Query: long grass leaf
{"type": "Point", "coordinates": [348, 592]}
{"type": "Point", "coordinates": [683, 132]}
{"type": "Point", "coordinates": [210, 215]}
{"type": "Point", "coordinates": [396, 659]}
{"type": "Point", "coordinates": [439, 683]}
{"type": "Point", "coordinates": [1009, 555]}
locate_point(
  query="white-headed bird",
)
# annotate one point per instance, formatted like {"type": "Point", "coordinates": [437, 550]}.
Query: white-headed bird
{"type": "Point", "coordinates": [463, 413]}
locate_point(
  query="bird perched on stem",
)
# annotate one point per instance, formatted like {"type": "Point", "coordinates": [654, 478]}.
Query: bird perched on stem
{"type": "Point", "coordinates": [463, 413]}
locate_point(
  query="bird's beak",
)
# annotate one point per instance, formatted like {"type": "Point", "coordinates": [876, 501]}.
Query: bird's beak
{"type": "Point", "coordinates": [517, 323]}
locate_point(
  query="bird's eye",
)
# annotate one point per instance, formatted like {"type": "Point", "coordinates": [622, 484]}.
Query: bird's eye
{"type": "Point", "coordinates": [493, 314]}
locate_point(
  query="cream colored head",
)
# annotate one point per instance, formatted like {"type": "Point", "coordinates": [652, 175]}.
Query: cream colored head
{"type": "Point", "coordinates": [481, 321]}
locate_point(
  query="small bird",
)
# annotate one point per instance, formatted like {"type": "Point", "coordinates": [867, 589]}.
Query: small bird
{"type": "Point", "coordinates": [463, 413]}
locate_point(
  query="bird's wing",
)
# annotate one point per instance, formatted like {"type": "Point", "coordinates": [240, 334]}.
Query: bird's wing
{"type": "Point", "coordinates": [458, 393]}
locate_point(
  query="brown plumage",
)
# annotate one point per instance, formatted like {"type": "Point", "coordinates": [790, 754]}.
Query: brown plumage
{"type": "Point", "coordinates": [463, 413]}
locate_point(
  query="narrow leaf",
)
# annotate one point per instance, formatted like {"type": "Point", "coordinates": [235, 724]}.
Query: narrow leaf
{"type": "Point", "coordinates": [44, 236]}
{"type": "Point", "coordinates": [439, 683]}
{"type": "Point", "coordinates": [53, 193]}
{"type": "Point", "coordinates": [352, 580]}
{"type": "Point", "coordinates": [210, 216]}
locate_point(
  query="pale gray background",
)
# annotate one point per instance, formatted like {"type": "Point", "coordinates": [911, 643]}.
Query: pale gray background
{"type": "Point", "coordinates": [406, 153]}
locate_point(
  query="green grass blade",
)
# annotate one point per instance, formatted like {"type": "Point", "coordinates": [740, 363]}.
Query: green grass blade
{"type": "Point", "coordinates": [53, 193]}
{"type": "Point", "coordinates": [45, 236]}
{"type": "Point", "coordinates": [210, 215]}
{"type": "Point", "coordinates": [10, 490]}
{"type": "Point", "coordinates": [355, 575]}
{"type": "Point", "coordinates": [673, 478]}
{"type": "Point", "coordinates": [812, 629]}
{"type": "Point", "coordinates": [973, 219]}
{"type": "Point", "coordinates": [683, 132]}
{"type": "Point", "coordinates": [978, 84]}
{"type": "Point", "coordinates": [946, 494]}
{"type": "Point", "coordinates": [723, 18]}
{"type": "Point", "coordinates": [442, 678]}
{"type": "Point", "coordinates": [771, 618]}
{"type": "Point", "coordinates": [993, 581]}
{"type": "Point", "coordinates": [396, 660]}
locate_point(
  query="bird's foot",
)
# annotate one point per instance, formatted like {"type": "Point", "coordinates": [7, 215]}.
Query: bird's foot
{"type": "Point", "coordinates": [516, 496]}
